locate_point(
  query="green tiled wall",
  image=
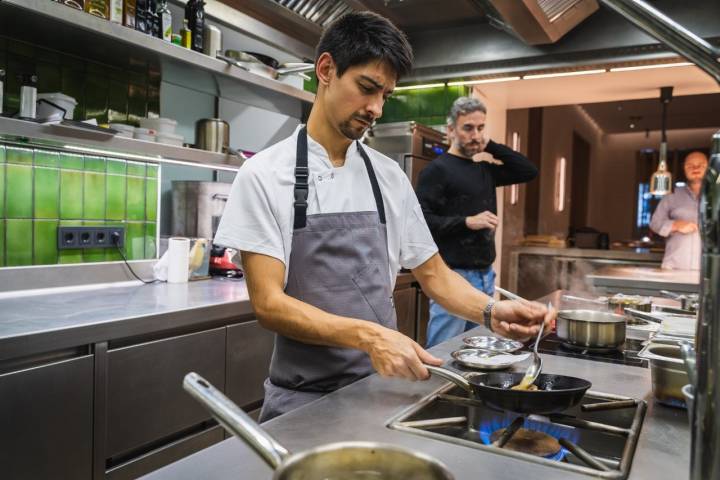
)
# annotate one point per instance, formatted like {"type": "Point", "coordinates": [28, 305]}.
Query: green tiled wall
{"type": "Point", "coordinates": [42, 189]}
{"type": "Point", "coordinates": [428, 106]}
{"type": "Point", "coordinates": [105, 93]}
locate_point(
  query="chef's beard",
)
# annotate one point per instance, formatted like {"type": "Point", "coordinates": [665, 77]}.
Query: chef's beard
{"type": "Point", "coordinates": [355, 132]}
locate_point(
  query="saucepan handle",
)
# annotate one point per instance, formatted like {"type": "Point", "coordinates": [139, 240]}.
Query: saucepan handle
{"type": "Point", "coordinates": [235, 420]}
{"type": "Point", "coordinates": [451, 376]}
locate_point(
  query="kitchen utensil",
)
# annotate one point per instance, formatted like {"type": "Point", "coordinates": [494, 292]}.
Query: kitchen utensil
{"type": "Point", "coordinates": [668, 373]}
{"type": "Point", "coordinates": [212, 134]}
{"type": "Point", "coordinates": [688, 301]}
{"type": "Point", "coordinates": [591, 329]}
{"type": "Point", "coordinates": [343, 460]}
{"type": "Point", "coordinates": [28, 96]}
{"type": "Point", "coordinates": [535, 367]}
{"type": "Point", "coordinates": [687, 352]}
{"type": "Point", "coordinates": [618, 303]}
{"type": "Point", "coordinates": [492, 344]}
{"type": "Point", "coordinates": [485, 360]}
{"type": "Point", "coordinates": [266, 59]}
{"type": "Point", "coordinates": [688, 392]}
{"type": "Point", "coordinates": [555, 392]}
{"type": "Point", "coordinates": [508, 294]}
{"type": "Point", "coordinates": [251, 64]}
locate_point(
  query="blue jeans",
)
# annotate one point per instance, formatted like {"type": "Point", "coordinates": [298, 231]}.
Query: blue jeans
{"type": "Point", "coordinates": [442, 324]}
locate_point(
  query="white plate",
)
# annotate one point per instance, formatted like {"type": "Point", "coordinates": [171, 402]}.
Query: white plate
{"type": "Point", "coordinates": [482, 359]}
{"type": "Point", "coordinates": [493, 344]}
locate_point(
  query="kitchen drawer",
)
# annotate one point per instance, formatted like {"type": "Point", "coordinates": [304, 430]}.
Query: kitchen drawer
{"type": "Point", "coordinates": [46, 424]}
{"type": "Point", "coordinates": [146, 404]}
{"type": "Point", "coordinates": [249, 349]}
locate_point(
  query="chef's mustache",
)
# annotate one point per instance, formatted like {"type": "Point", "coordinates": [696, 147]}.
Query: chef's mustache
{"type": "Point", "coordinates": [368, 120]}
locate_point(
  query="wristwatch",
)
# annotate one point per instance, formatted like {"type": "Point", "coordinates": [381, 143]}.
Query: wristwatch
{"type": "Point", "coordinates": [487, 314]}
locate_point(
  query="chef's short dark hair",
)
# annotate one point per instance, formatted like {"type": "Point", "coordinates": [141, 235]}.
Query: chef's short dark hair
{"type": "Point", "coordinates": [360, 37]}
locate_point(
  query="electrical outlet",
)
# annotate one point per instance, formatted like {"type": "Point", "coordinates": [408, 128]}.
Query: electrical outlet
{"type": "Point", "coordinates": [90, 237]}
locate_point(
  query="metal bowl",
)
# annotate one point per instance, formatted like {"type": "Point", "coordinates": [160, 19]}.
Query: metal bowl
{"type": "Point", "coordinates": [485, 360]}
{"type": "Point", "coordinates": [493, 344]}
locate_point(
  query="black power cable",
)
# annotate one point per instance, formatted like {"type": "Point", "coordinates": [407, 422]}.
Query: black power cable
{"type": "Point", "coordinates": [115, 239]}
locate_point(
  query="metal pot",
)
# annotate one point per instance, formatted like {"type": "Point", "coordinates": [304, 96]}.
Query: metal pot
{"type": "Point", "coordinates": [668, 373]}
{"type": "Point", "coordinates": [213, 135]}
{"type": "Point", "coordinates": [590, 329]}
{"type": "Point", "coordinates": [343, 460]}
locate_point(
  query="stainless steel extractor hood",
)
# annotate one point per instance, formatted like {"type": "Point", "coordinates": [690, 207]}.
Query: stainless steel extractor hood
{"type": "Point", "coordinates": [538, 21]}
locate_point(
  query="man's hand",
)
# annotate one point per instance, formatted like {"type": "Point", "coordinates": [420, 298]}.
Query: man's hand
{"type": "Point", "coordinates": [395, 355]}
{"type": "Point", "coordinates": [683, 226]}
{"type": "Point", "coordinates": [486, 219]}
{"type": "Point", "coordinates": [520, 319]}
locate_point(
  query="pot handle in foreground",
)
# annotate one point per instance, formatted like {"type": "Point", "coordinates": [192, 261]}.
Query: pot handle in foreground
{"type": "Point", "coordinates": [451, 376]}
{"type": "Point", "coordinates": [235, 420]}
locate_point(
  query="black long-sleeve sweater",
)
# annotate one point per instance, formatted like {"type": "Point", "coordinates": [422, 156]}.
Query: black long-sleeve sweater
{"type": "Point", "coordinates": [452, 188]}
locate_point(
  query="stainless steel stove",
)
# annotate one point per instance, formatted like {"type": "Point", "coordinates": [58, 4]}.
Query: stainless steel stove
{"type": "Point", "coordinates": [597, 437]}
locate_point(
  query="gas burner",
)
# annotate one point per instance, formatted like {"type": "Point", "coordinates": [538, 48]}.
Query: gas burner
{"type": "Point", "coordinates": [625, 355]}
{"type": "Point", "coordinates": [528, 441]}
{"type": "Point", "coordinates": [596, 437]}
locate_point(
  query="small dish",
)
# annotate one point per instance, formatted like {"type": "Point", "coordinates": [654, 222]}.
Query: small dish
{"type": "Point", "coordinates": [482, 359]}
{"type": "Point", "coordinates": [493, 344]}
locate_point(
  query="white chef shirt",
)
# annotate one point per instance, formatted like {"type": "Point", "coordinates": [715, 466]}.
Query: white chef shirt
{"type": "Point", "coordinates": [259, 213]}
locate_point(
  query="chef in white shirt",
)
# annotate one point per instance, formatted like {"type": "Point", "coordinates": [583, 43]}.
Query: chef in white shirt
{"type": "Point", "coordinates": [324, 224]}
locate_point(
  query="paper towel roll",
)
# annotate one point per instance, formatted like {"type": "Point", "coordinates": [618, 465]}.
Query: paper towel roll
{"type": "Point", "coordinates": [178, 259]}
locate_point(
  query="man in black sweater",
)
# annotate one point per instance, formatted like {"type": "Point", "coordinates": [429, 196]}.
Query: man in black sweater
{"type": "Point", "coordinates": [457, 195]}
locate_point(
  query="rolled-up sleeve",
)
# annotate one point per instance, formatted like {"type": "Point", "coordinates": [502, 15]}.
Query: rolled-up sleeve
{"type": "Point", "coordinates": [661, 223]}
{"type": "Point", "coordinates": [249, 222]}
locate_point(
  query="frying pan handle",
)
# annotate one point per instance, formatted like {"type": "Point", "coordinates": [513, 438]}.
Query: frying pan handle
{"type": "Point", "coordinates": [643, 315]}
{"type": "Point", "coordinates": [453, 377]}
{"type": "Point", "coordinates": [235, 420]}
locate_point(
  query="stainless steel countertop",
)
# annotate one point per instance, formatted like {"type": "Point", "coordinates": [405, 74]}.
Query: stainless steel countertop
{"type": "Point", "coordinates": [645, 281]}
{"type": "Point", "coordinates": [360, 412]}
{"type": "Point", "coordinates": [620, 254]}
{"type": "Point", "coordinates": [45, 320]}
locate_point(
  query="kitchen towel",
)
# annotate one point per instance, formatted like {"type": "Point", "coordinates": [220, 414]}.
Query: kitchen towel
{"type": "Point", "coordinates": [178, 259]}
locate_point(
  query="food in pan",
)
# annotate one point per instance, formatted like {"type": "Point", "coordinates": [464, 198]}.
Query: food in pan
{"type": "Point", "coordinates": [522, 386]}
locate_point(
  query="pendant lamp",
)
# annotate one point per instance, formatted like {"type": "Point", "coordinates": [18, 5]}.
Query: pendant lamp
{"type": "Point", "coordinates": [661, 180]}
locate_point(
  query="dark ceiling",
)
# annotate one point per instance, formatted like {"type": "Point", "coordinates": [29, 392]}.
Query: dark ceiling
{"type": "Point", "coordinates": [413, 15]}
{"type": "Point", "coordinates": [690, 111]}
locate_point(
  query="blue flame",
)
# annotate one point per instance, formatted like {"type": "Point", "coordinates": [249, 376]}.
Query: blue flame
{"type": "Point", "coordinates": [488, 426]}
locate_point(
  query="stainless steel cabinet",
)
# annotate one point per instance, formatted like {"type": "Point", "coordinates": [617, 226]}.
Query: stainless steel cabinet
{"type": "Point", "coordinates": [46, 421]}
{"type": "Point", "coordinates": [249, 349]}
{"type": "Point", "coordinates": [146, 403]}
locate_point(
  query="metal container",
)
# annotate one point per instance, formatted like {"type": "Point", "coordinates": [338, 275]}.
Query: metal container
{"type": "Point", "coordinates": [213, 135]}
{"type": "Point", "coordinates": [667, 370]}
{"type": "Point", "coordinates": [591, 329]}
{"type": "Point", "coordinates": [343, 460]}
{"type": "Point", "coordinates": [212, 41]}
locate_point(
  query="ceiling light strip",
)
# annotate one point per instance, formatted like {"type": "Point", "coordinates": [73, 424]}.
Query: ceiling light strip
{"type": "Point", "coordinates": [563, 74]}
{"type": "Point", "coordinates": [647, 67]}
{"type": "Point", "coordinates": [487, 80]}
{"type": "Point", "coordinates": [419, 87]}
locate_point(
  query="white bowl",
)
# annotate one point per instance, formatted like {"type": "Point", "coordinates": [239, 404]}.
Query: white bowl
{"type": "Point", "coordinates": [63, 101]}
{"type": "Point", "coordinates": [144, 134]}
{"type": "Point", "coordinates": [164, 125]}
{"type": "Point", "coordinates": [123, 130]}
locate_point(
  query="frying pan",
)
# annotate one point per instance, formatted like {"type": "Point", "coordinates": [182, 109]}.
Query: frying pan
{"type": "Point", "coordinates": [555, 392]}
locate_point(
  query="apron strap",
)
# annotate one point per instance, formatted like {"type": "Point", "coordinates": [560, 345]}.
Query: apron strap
{"type": "Point", "coordinates": [302, 174]}
{"type": "Point", "coordinates": [373, 181]}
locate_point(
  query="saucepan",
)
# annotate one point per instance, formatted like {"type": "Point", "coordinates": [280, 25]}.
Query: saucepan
{"type": "Point", "coordinates": [342, 460]}
{"type": "Point", "coordinates": [590, 329]}
{"type": "Point", "coordinates": [554, 393]}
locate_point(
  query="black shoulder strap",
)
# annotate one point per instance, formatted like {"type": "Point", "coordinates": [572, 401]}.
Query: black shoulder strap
{"type": "Point", "coordinates": [301, 180]}
{"type": "Point", "coordinates": [373, 181]}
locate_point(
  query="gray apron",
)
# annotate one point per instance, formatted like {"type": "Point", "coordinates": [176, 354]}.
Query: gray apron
{"type": "Point", "coordinates": [339, 264]}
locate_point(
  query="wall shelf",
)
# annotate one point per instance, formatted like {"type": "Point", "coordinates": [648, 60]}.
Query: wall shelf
{"type": "Point", "coordinates": [21, 131]}
{"type": "Point", "coordinates": [62, 28]}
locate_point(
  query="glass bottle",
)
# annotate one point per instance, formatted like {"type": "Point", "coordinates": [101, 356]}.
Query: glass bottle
{"type": "Point", "coordinates": [165, 21]}
{"type": "Point", "coordinates": [99, 8]}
